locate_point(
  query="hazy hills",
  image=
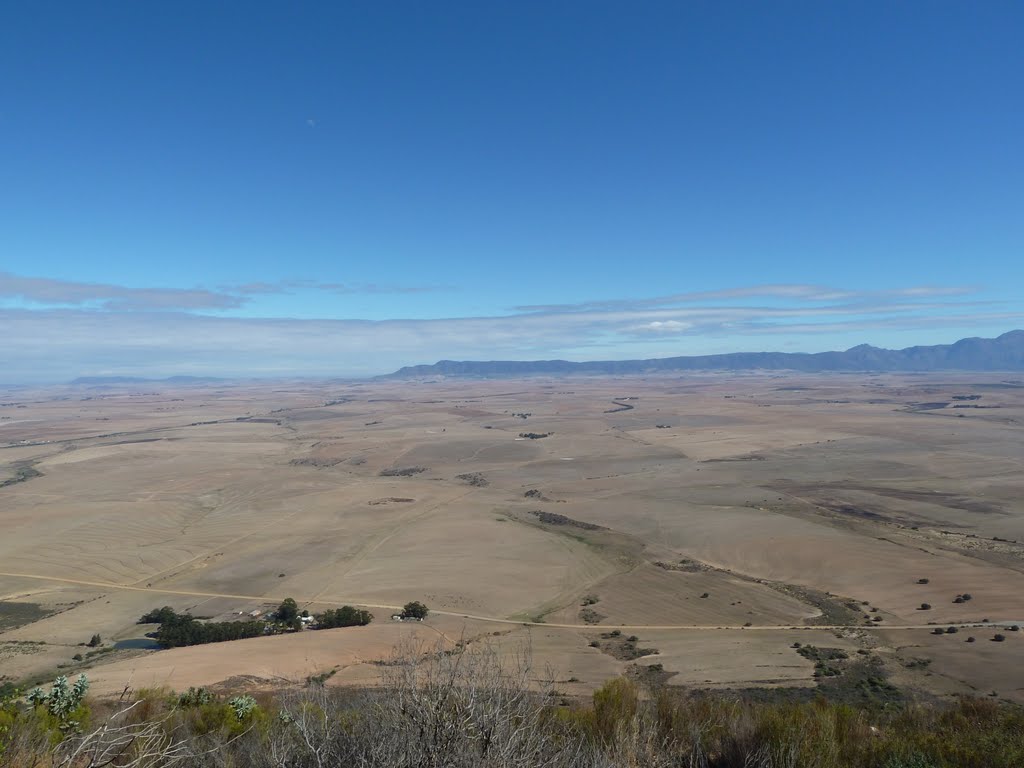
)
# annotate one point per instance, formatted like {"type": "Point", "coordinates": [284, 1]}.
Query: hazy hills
{"type": "Point", "coordinates": [1005, 353]}
{"type": "Point", "coordinates": [99, 381]}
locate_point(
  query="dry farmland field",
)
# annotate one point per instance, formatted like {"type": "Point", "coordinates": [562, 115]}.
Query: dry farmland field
{"type": "Point", "coordinates": [690, 529]}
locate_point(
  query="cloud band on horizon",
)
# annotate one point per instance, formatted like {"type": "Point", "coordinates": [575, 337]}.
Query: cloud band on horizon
{"type": "Point", "coordinates": [106, 332]}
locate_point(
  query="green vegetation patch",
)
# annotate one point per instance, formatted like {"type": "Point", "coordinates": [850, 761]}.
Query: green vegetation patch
{"type": "Point", "coordinates": [402, 471]}
{"type": "Point", "coordinates": [590, 616]}
{"type": "Point", "coordinates": [816, 654]}
{"type": "Point", "coordinates": [553, 518]}
{"type": "Point", "coordinates": [488, 715]}
{"type": "Point", "coordinates": [835, 611]}
{"type": "Point", "coordinates": [621, 647]}
{"type": "Point", "coordinates": [181, 629]}
{"type": "Point", "coordinates": [13, 615]}
{"type": "Point", "coordinates": [21, 475]}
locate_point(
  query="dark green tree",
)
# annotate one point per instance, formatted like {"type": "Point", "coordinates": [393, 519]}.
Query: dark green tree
{"type": "Point", "coordinates": [415, 610]}
{"type": "Point", "coordinates": [346, 616]}
{"type": "Point", "coordinates": [158, 616]}
{"type": "Point", "coordinates": [287, 612]}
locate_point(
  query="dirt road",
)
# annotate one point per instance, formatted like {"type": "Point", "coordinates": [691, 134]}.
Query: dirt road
{"type": "Point", "coordinates": [497, 620]}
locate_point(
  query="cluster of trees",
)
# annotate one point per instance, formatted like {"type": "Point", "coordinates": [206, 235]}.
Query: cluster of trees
{"type": "Point", "coordinates": [414, 610]}
{"type": "Point", "coordinates": [158, 616]}
{"type": "Point", "coordinates": [287, 613]}
{"type": "Point", "coordinates": [185, 630]}
{"type": "Point", "coordinates": [346, 616]}
{"type": "Point", "coordinates": [178, 629]}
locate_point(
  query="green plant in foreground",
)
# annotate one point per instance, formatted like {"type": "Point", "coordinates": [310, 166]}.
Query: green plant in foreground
{"type": "Point", "coordinates": [64, 702]}
{"type": "Point", "coordinates": [195, 697]}
{"type": "Point", "coordinates": [242, 706]}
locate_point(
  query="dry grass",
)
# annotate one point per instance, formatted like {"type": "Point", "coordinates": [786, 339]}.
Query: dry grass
{"type": "Point", "coordinates": [201, 498]}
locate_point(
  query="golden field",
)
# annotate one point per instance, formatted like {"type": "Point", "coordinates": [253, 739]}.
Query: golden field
{"type": "Point", "coordinates": [804, 507]}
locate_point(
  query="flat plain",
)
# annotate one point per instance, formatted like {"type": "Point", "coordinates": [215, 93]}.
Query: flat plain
{"type": "Point", "coordinates": [717, 519]}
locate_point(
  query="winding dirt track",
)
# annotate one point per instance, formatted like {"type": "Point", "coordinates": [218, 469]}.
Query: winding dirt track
{"type": "Point", "coordinates": [493, 619]}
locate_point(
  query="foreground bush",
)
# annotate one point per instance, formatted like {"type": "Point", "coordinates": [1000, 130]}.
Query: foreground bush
{"type": "Point", "coordinates": [472, 708]}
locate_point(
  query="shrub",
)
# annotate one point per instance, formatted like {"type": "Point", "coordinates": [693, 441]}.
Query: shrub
{"type": "Point", "coordinates": [195, 697]}
{"type": "Point", "coordinates": [998, 638]}
{"type": "Point", "coordinates": [95, 641]}
{"type": "Point", "coordinates": [242, 706]}
{"type": "Point", "coordinates": [64, 702]}
{"type": "Point", "coordinates": [615, 704]}
{"type": "Point", "coordinates": [922, 581]}
{"type": "Point", "coordinates": [925, 607]}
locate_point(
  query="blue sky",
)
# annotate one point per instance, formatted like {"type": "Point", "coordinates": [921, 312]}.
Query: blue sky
{"type": "Point", "coordinates": [341, 189]}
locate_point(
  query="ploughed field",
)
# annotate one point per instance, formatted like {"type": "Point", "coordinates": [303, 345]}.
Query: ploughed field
{"type": "Point", "coordinates": [717, 520]}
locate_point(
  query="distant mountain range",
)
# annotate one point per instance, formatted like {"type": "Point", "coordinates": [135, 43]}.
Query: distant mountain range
{"type": "Point", "coordinates": [100, 381]}
{"type": "Point", "coordinates": [1005, 353]}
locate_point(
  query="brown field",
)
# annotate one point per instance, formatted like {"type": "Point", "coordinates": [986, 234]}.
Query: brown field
{"type": "Point", "coordinates": [804, 507]}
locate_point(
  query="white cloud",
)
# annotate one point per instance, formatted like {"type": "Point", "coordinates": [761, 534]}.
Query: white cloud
{"type": "Point", "coordinates": [663, 326]}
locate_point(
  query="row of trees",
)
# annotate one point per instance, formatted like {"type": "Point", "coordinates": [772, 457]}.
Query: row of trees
{"type": "Point", "coordinates": [178, 629]}
{"type": "Point", "coordinates": [183, 629]}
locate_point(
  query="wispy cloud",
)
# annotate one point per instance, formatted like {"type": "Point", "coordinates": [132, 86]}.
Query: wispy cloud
{"type": "Point", "coordinates": [806, 293]}
{"type": "Point", "coordinates": [48, 291]}
{"type": "Point", "coordinates": [118, 298]}
{"type": "Point", "coordinates": [340, 289]}
{"type": "Point", "coordinates": [378, 288]}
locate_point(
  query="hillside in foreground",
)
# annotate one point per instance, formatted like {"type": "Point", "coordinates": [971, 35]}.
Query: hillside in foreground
{"type": "Point", "coordinates": [465, 707]}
